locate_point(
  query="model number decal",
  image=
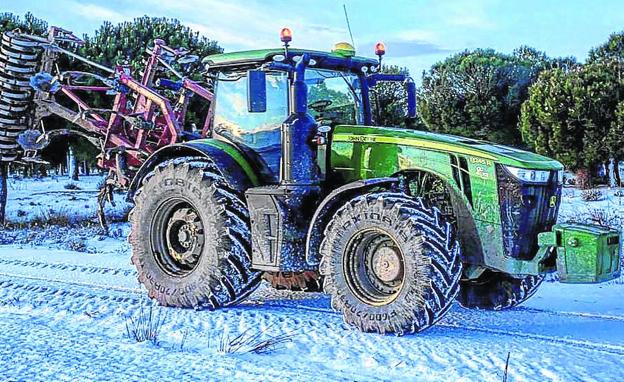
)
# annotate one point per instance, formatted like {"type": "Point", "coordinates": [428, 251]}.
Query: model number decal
{"type": "Point", "coordinates": [482, 161]}
{"type": "Point", "coordinates": [361, 138]}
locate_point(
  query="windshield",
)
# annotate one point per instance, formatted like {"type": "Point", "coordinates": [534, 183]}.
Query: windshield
{"type": "Point", "coordinates": [334, 97]}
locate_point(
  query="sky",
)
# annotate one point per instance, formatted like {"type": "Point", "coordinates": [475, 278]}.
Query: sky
{"type": "Point", "coordinates": [416, 33]}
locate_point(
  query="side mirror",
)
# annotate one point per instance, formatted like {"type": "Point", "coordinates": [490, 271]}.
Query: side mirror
{"type": "Point", "coordinates": [256, 91]}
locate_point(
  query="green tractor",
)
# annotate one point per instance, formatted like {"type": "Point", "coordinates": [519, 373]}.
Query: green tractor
{"type": "Point", "coordinates": [297, 184]}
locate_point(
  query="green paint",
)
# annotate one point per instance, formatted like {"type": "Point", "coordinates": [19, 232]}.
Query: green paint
{"type": "Point", "coordinates": [585, 254]}
{"type": "Point", "coordinates": [370, 152]}
{"type": "Point", "coordinates": [364, 152]}
{"type": "Point", "coordinates": [261, 55]}
{"type": "Point", "coordinates": [235, 154]}
{"type": "Point", "coordinates": [448, 143]}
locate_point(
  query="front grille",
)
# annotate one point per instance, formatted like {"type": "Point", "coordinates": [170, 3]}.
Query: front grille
{"type": "Point", "coordinates": [525, 211]}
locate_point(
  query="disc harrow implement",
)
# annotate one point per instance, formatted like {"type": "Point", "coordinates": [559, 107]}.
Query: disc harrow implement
{"type": "Point", "coordinates": [19, 61]}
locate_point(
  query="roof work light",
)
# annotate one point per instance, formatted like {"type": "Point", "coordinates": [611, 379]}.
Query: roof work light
{"type": "Point", "coordinates": [380, 50]}
{"type": "Point", "coordinates": [286, 35]}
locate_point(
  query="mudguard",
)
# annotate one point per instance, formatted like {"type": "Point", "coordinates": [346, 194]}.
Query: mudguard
{"type": "Point", "coordinates": [233, 164]}
{"type": "Point", "coordinates": [331, 203]}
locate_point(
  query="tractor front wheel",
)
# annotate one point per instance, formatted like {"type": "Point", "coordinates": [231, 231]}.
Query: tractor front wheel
{"type": "Point", "coordinates": [391, 263]}
{"type": "Point", "coordinates": [190, 237]}
{"type": "Point", "coordinates": [497, 290]}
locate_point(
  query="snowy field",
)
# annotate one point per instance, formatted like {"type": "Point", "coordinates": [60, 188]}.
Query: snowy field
{"type": "Point", "coordinates": [68, 294]}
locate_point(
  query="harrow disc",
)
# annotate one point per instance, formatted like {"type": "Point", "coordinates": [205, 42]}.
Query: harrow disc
{"type": "Point", "coordinates": [19, 60]}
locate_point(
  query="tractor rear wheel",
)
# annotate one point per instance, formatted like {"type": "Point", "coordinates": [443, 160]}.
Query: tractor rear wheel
{"type": "Point", "coordinates": [190, 237]}
{"type": "Point", "coordinates": [497, 291]}
{"type": "Point", "coordinates": [391, 263]}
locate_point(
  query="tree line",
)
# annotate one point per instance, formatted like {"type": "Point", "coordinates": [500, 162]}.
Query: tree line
{"type": "Point", "coordinates": [558, 107]}
{"type": "Point", "coordinates": [571, 111]}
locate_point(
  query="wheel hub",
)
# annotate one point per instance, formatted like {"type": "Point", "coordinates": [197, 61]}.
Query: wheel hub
{"type": "Point", "coordinates": [183, 236]}
{"type": "Point", "coordinates": [374, 267]}
{"type": "Point", "coordinates": [387, 264]}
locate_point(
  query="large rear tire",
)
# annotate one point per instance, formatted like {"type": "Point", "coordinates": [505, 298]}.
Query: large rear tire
{"type": "Point", "coordinates": [190, 237]}
{"type": "Point", "coordinates": [497, 291]}
{"type": "Point", "coordinates": [391, 263]}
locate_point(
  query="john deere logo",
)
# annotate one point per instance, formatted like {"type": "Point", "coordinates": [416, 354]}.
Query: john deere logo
{"type": "Point", "coordinates": [553, 201]}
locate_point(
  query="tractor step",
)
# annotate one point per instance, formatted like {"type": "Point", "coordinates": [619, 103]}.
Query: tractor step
{"type": "Point", "coordinates": [279, 220]}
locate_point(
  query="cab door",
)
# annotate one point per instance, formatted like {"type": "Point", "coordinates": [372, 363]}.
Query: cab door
{"type": "Point", "coordinates": [256, 133]}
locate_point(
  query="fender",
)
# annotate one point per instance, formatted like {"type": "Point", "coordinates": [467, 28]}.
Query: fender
{"type": "Point", "coordinates": [330, 203]}
{"type": "Point", "coordinates": [472, 249]}
{"type": "Point", "coordinates": [233, 164]}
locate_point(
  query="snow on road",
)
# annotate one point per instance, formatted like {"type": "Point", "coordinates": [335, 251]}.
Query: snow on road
{"type": "Point", "coordinates": [63, 316]}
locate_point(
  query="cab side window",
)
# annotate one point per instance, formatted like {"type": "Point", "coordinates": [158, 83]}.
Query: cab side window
{"type": "Point", "coordinates": [257, 133]}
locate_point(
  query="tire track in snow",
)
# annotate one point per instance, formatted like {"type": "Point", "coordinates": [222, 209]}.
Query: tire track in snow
{"type": "Point", "coordinates": [70, 267]}
{"type": "Point", "coordinates": [83, 284]}
{"type": "Point", "coordinates": [84, 296]}
{"type": "Point", "coordinates": [52, 292]}
{"type": "Point", "coordinates": [131, 272]}
{"type": "Point", "coordinates": [573, 314]}
{"type": "Point", "coordinates": [608, 348]}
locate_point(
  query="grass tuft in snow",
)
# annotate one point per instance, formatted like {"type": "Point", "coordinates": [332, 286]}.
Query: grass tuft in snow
{"type": "Point", "coordinates": [145, 325]}
{"type": "Point", "coordinates": [48, 217]}
{"type": "Point", "coordinates": [252, 340]}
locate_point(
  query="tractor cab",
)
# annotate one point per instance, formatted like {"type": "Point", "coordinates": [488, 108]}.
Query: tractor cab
{"type": "Point", "coordinates": [258, 90]}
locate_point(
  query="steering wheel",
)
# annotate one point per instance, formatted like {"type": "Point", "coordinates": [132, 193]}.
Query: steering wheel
{"type": "Point", "coordinates": [320, 105]}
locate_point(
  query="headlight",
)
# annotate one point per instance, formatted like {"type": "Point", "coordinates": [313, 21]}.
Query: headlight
{"type": "Point", "coordinates": [527, 175]}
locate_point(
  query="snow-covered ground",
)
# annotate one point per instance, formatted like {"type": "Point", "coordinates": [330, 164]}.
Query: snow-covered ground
{"type": "Point", "coordinates": [66, 295]}
{"type": "Point", "coordinates": [41, 199]}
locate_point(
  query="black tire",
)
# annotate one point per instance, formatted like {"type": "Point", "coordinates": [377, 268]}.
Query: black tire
{"type": "Point", "coordinates": [364, 243]}
{"type": "Point", "coordinates": [497, 291]}
{"type": "Point", "coordinates": [190, 237]}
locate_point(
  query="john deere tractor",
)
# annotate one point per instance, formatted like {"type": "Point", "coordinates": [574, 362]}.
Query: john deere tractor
{"type": "Point", "coordinates": [293, 180]}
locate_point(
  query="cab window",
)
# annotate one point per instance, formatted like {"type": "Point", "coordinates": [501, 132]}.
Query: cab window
{"type": "Point", "coordinates": [257, 133]}
{"type": "Point", "coordinates": [334, 97]}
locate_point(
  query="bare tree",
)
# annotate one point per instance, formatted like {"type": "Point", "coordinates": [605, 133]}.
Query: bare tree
{"type": "Point", "coordinates": [72, 163]}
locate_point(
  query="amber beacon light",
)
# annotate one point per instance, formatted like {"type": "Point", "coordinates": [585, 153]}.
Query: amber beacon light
{"type": "Point", "coordinates": [286, 35]}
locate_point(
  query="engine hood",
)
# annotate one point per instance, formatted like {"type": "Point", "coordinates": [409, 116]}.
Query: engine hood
{"type": "Point", "coordinates": [446, 143]}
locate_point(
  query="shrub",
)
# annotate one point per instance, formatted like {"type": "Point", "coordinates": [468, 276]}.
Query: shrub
{"type": "Point", "coordinates": [71, 186]}
{"type": "Point", "coordinates": [606, 218]}
{"type": "Point", "coordinates": [48, 217]}
{"type": "Point", "coordinates": [591, 195]}
{"type": "Point", "coordinates": [77, 245]}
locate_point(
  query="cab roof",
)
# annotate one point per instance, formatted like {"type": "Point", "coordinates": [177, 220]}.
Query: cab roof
{"type": "Point", "coordinates": [252, 58]}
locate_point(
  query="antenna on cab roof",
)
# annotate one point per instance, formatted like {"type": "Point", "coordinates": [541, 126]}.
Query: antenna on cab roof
{"type": "Point", "coordinates": [344, 6]}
